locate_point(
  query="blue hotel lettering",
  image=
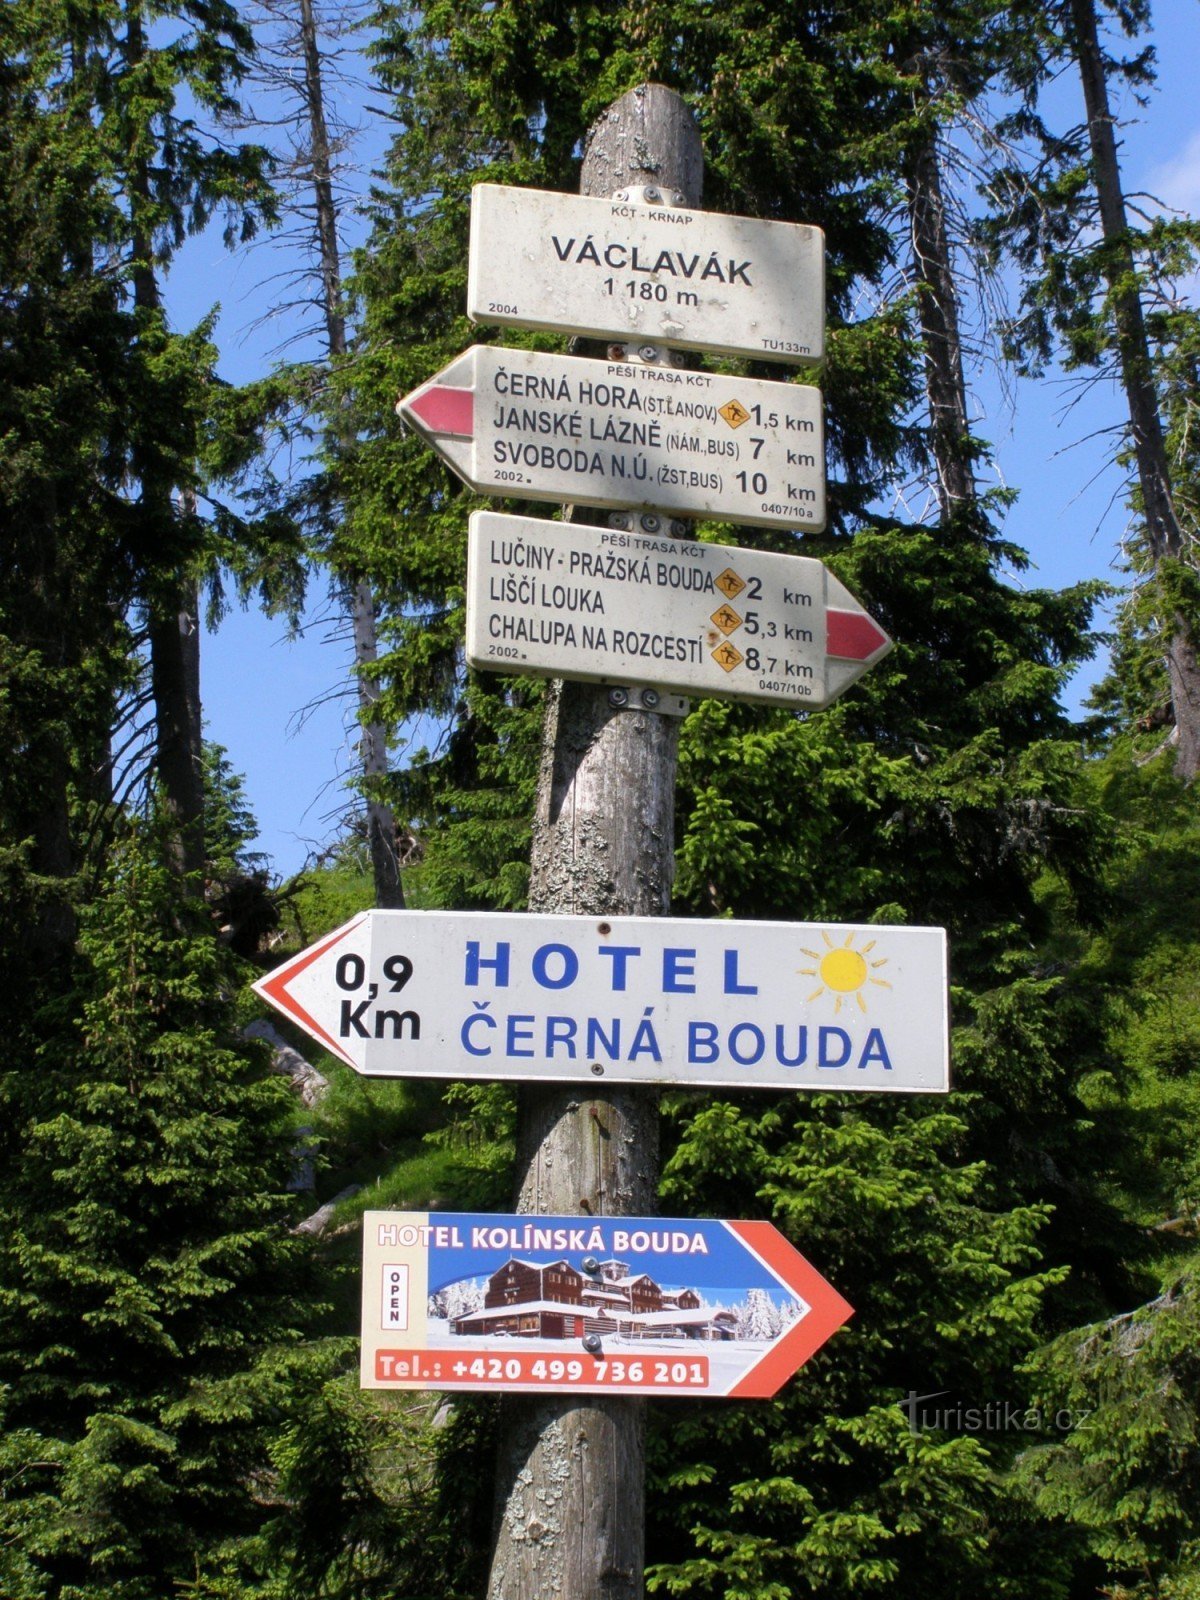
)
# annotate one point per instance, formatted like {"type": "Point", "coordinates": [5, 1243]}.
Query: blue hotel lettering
{"type": "Point", "coordinates": [556, 966]}
{"type": "Point", "coordinates": [747, 1044]}
{"type": "Point", "coordinates": [786, 1045]}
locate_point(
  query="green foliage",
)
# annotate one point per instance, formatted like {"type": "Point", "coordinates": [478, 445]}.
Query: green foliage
{"type": "Point", "coordinates": [230, 827]}
{"type": "Point", "coordinates": [473, 804]}
{"type": "Point", "coordinates": [945, 787]}
{"type": "Point", "coordinates": [1129, 1475]}
{"type": "Point", "coordinates": [828, 1488]}
{"type": "Point", "coordinates": [144, 1262]}
{"type": "Point", "coordinates": [329, 895]}
{"type": "Point", "coordinates": [478, 1143]}
{"type": "Point", "coordinates": [360, 1514]}
{"type": "Point", "coordinates": [183, 1415]}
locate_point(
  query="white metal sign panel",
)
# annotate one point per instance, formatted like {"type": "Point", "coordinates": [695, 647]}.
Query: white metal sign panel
{"type": "Point", "coordinates": [781, 1005]}
{"type": "Point", "coordinates": [700, 280]}
{"type": "Point", "coordinates": [601, 605]}
{"type": "Point", "coordinates": [667, 1306]}
{"type": "Point", "coordinates": [547, 427]}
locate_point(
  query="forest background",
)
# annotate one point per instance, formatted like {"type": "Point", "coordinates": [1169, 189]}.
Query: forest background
{"type": "Point", "coordinates": [177, 1258]}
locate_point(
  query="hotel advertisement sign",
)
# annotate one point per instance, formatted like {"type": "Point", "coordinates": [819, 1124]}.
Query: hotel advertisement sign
{"type": "Point", "coordinates": [605, 1305]}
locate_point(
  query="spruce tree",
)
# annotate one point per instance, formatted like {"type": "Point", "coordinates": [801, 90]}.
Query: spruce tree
{"type": "Point", "coordinates": [146, 1262]}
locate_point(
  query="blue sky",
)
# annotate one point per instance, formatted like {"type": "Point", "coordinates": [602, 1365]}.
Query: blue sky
{"type": "Point", "coordinates": [282, 708]}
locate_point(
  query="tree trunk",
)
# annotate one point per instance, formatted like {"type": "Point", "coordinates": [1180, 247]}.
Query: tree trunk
{"type": "Point", "coordinates": [1163, 532]}
{"type": "Point", "coordinates": [47, 758]}
{"type": "Point", "coordinates": [937, 305]}
{"type": "Point", "coordinates": [172, 604]}
{"type": "Point", "coordinates": [381, 823]}
{"type": "Point", "coordinates": [175, 683]}
{"type": "Point", "coordinates": [571, 1474]}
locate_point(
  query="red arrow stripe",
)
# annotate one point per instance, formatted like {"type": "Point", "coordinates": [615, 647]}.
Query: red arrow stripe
{"type": "Point", "coordinates": [274, 989]}
{"type": "Point", "coordinates": [852, 635]}
{"type": "Point", "coordinates": [445, 410]}
{"type": "Point", "coordinates": [827, 1311]}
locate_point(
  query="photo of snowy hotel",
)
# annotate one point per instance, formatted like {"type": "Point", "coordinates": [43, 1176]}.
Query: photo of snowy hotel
{"type": "Point", "coordinates": [553, 1300]}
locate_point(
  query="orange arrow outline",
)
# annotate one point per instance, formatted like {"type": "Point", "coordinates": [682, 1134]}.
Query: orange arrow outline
{"type": "Point", "coordinates": [273, 988]}
{"type": "Point", "coordinates": [828, 1311]}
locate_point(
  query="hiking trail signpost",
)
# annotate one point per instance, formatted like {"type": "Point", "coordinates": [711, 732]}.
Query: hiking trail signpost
{"type": "Point", "coordinates": [596, 993]}
{"type": "Point", "coordinates": [662, 1306]}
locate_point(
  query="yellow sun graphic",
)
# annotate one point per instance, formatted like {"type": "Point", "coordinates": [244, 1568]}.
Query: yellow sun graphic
{"type": "Point", "coordinates": [844, 970]}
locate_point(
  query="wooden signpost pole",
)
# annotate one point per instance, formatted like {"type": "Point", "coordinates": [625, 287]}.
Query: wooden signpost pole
{"type": "Point", "coordinates": [570, 1479]}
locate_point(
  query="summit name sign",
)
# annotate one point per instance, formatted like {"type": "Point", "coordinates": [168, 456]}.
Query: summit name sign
{"type": "Point", "coordinates": [700, 280]}
{"type": "Point", "coordinates": [779, 1005]}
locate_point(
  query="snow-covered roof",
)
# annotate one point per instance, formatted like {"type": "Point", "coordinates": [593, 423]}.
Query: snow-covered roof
{"type": "Point", "coordinates": [669, 1319]}
{"type": "Point", "coordinates": [536, 1266]}
{"type": "Point", "coordinates": [521, 1309]}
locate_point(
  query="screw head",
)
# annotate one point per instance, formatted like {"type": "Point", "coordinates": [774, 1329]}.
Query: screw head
{"type": "Point", "coordinates": [617, 352]}
{"type": "Point", "coordinates": [591, 1343]}
{"type": "Point", "coordinates": [648, 352]}
{"type": "Point", "coordinates": [590, 1264]}
{"type": "Point", "coordinates": [651, 523]}
{"type": "Point", "coordinates": [597, 1070]}
{"type": "Point", "coordinates": [618, 697]}
{"type": "Point", "coordinates": [622, 194]}
{"type": "Point", "coordinates": [653, 195]}
{"type": "Point", "coordinates": [678, 198]}
{"type": "Point", "coordinates": [650, 698]}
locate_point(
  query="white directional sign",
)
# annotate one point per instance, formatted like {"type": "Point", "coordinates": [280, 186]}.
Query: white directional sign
{"type": "Point", "coordinates": [667, 1306]}
{"type": "Point", "coordinates": [600, 605]}
{"type": "Point", "coordinates": [547, 427]}
{"type": "Point", "coordinates": [781, 1005]}
{"type": "Point", "coordinates": [665, 274]}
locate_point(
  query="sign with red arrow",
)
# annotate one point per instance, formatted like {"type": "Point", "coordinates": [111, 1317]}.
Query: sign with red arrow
{"type": "Point", "coordinates": [771, 1005]}
{"type": "Point", "coordinates": [697, 444]}
{"type": "Point", "coordinates": [588, 1305]}
{"type": "Point", "coordinates": [606, 605]}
